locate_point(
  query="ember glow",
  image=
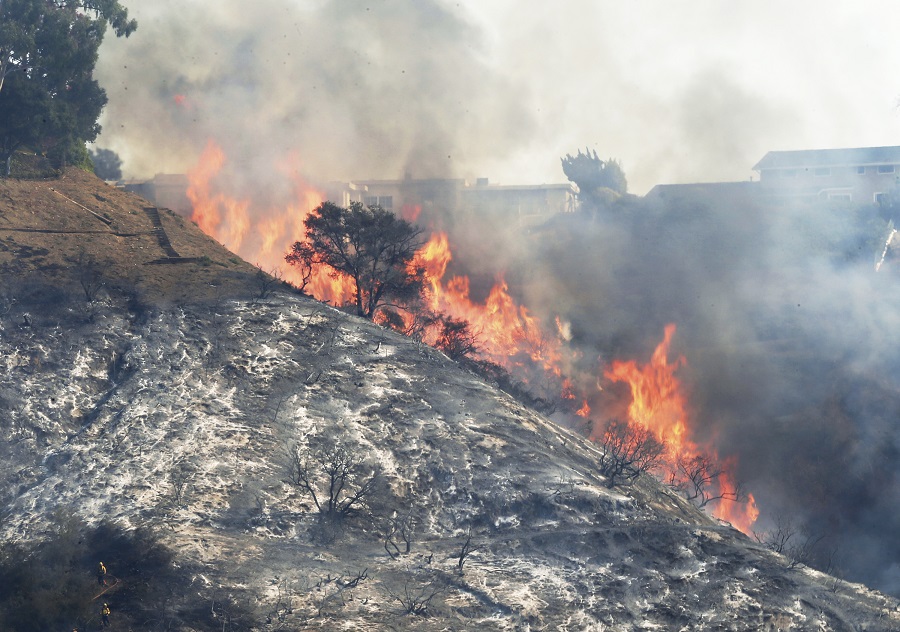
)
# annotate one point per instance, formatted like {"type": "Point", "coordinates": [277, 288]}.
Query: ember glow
{"type": "Point", "coordinates": [659, 403]}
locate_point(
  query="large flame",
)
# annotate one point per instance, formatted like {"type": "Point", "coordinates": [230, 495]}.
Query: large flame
{"type": "Point", "coordinates": [659, 403]}
{"type": "Point", "coordinates": [505, 329]}
{"type": "Point", "coordinates": [262, 236]}
{"type": "Point", "coordinates": [508, 333]}
{"type": "Point", "coordinates": [657, 399]}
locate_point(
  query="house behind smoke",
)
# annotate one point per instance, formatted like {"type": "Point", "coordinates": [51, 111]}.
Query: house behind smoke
{"type": "Point", "coordinates": [859, 175]}
{"type": "Point", "coordinates": [521, 205]}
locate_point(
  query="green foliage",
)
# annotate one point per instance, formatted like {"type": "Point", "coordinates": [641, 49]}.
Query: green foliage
{"type": "Point", "coordinates": [107, 164]}
{"type": "Point", "coordinates": [370, 245]}
{"type": "Point", "coordinates": [49, 100]}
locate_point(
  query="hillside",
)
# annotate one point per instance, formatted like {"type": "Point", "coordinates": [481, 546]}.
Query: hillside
{"type": "Point", "coordinates": [63, 230]}
{"type": "Point", "coordinates": [174, 399]}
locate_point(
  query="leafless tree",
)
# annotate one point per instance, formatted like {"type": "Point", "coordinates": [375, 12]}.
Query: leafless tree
{"type": "Point", "coordinates": [179, 477]}
{"type": "Point", "coordinates": [399, 535]}
{"type": "Point", "coordinates": [284, 605]}
{"type": "Point", "coordinates": [303, 258]}
{"type": "Point", "coordinates": [778, 538]}
{"type": "Point", "coordinates": [89, 274]}
{"type": "Point", "coordinates": [266, 282]}
{"type": "Point", "coordinates": [697, 478]}
{"type": "Point", "coordinates": [415, 598]}
{"type": "Point", "coordinates": [337, 478]}
{"type": "Point", "coordinates": [333, 589]}
{"type": "Point", "coordinates": [628, 450]}
{"type": "Point", "coordinates": [790, 540]}
{"type": "Point", "coordinates": [465, 551]}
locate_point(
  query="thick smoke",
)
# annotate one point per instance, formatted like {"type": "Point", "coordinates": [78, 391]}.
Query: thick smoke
{"type": "Point", "coordinates": [787, 330]}
{"type": "Point", "coordinates": [380, 89]}
{"type": "Point", "coordinates": [789, 337]}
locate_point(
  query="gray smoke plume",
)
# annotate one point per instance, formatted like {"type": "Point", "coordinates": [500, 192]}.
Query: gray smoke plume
{"type": "Point", "coordinates": [380, 89]}
{"type": "Point", "coordinates": [788, 332]}
{"type": "Point", "coordinates": [790, 341]}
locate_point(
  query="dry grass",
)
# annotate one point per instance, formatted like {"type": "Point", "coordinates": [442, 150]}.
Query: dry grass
{"type": "Point", "coordinates": [52, 227]}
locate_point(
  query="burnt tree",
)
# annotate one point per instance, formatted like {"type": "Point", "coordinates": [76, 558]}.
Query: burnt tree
{"type": "Point", "coordinates": [628, 450]}
{"type": "Point", "coordinates": [336, 478]}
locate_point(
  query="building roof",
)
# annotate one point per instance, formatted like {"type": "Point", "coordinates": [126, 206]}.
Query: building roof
{"type": "Point", "coordinates": [829, 158]}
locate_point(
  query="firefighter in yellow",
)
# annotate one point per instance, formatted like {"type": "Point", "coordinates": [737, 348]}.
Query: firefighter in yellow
{"type": "Point", "coordinates": [104, 613]}
{"type": "Point", "coordinates": [101, 574]}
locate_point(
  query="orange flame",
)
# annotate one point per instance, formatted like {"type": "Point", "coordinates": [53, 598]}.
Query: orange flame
{"type": "Point", "coordinates": [741, 515]}
{"type": "Point", "coordinates": [411, 212]}
{"type": "Point", "coordinates": [508, 333]}
{"type": "Point", "coordinates": [262, 237]}
{"type": "Point", "coordinates": [505, 329]}
{"type": "Point", "coordinates": [658, 403]}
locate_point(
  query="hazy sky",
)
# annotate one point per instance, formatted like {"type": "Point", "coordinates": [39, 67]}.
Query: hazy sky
{"type": "Point", "coordinates": [677, 90]}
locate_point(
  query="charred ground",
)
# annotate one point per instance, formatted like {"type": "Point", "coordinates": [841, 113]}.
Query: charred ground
{"type": "Point", "coordinates": [172, 400]}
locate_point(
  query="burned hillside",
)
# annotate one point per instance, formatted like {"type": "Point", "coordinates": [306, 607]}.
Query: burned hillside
{"type": "Point", "coordinates": [183, 413]}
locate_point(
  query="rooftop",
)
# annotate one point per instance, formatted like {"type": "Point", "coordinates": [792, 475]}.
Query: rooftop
{"type": "Point", "coordinates": [829, 157]}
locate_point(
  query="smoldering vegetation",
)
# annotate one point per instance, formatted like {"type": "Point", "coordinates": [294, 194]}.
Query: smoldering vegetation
{"type": "Point", "coordinates": [787, 331]}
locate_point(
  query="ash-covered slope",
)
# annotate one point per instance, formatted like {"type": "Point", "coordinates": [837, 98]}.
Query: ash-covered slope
{"type": "Point", "coordinates": [182, 417]}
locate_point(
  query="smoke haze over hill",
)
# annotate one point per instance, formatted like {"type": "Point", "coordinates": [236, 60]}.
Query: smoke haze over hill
{"type": "Point", "coordinates": [680, 92]}
{"type": "Point", "coordinates": [386, 89]}
{"type": "Point", "coordinates": [787, 331]}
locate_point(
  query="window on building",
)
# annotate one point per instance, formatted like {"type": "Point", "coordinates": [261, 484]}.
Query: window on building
{"type": "Point", "coordinates": [822, 171]}
{"type": "Point", "coordinates": [370, 200]}
{"type": "Point", "coordinates": [386, 201]}
{"type": "Point", "coordinates": [878, 197]}
{"type": "Point", "coordinates": [885, 168]}
{"type": "Point", "coordinates": [861, 171]}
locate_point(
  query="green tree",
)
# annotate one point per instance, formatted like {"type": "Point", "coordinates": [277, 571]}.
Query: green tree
{"type": "Point", "coordinates": [49, 100]}
{"type": "Point", "coordinates": [598, 181]}
{"type": "Point", "coordinates": [370, 245]}
{"type": "Point", "coordinates": [107, 164]}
